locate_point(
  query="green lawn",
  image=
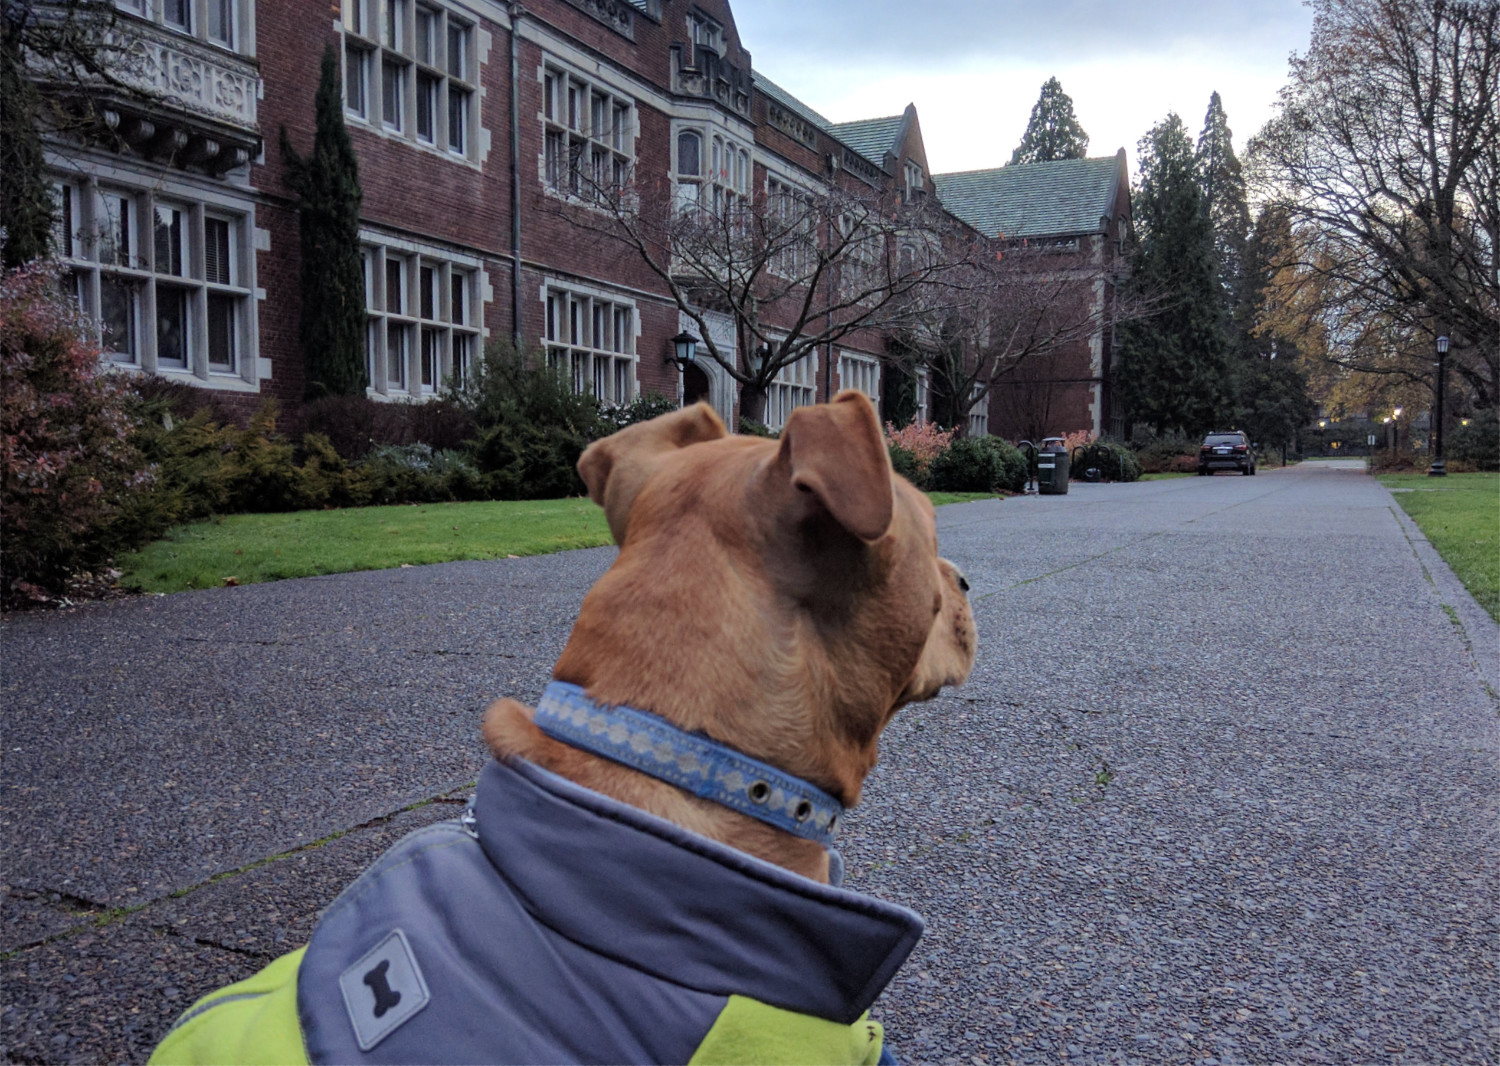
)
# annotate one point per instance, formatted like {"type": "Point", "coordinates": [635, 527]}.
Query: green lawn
{"type": "Point", "coordinates": [1165, 477]}
{"type": "Point", "coordinates": [1460, 515]}
{"type": "Point", "coordinates": [250, 548]}
{"type": "Point", "coordinates": [268, 547]}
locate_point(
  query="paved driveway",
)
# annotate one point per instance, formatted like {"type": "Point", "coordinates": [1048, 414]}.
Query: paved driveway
{"type": "Point", "coordinates": [1223, 786]}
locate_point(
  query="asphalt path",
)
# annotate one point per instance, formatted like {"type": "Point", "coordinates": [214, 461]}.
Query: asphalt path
{"type": "Point", "coordinates": [1223, 786]}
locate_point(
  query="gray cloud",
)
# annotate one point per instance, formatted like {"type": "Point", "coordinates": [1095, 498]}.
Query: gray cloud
{"type": "Point", "coordinates": [942, 31]}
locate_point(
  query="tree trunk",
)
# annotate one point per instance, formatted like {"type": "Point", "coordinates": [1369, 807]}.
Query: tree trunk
{"type": "Point", "coordinates": [753, 403]}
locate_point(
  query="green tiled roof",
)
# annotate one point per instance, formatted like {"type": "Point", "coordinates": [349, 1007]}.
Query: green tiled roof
{"type": "Point", "coordinates": [870, 137]}
{"type": "Point", "coordinates": [1066, 196]}
{"type": "Point", "coordinates": [787, 100]}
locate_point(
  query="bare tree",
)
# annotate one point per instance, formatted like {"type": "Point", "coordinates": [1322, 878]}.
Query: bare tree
{"type": "Point", "coordinates": [1021, 305]}
{"type": "Point", "coordinates": [796, 269]}
{"type": "Point", "coordinates": [1386, 155]}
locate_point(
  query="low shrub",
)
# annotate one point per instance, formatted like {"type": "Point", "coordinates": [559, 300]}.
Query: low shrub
{"type": "Point", "coordinates": [904, 462]}
{"type": "Point", "coordinates": [68, 464]}
{"type": "Point", "coordinates": [528, 462]}
{"type": "Point", "coordinates": [1477, 444]}
{"type": "Point", "coordinates": [966, 465]}
{"type": "Point", "coordinates": [1162, 455]}
{"type": "Point", "coordinates": [1113, 461]}
{"type": "Point", "coordinates": [643, 408]}
{"type": "Point", "coordinates": [751, 428]}
{"type": "Point", "coordinates": [925, 441]}
{"type": "Point", "coordinates": [356, 425]}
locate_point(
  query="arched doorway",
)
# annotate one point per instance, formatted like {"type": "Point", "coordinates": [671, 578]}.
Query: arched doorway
{"type": "Point", "coordinates": [694, 385]}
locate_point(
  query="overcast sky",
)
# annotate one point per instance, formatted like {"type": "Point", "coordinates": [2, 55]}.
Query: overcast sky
{"type": "Point", "coordinates": [974, 68]}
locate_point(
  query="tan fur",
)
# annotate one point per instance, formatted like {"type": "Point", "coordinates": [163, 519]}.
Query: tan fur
{"type": "Point", "coordinates": [784, 598]}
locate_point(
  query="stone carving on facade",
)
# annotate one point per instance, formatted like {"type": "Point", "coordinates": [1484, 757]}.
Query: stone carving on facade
{"type": "Point", "coordinates": [187, 76]}
{"type": "Point", "coordinates": [860, 166]}
{"type": "Point", "coordinates": [616, 14]}
{"type": "Point", "coordinates": [792, 124]}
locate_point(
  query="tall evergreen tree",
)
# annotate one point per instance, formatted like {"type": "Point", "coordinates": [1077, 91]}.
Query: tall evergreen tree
{"type": "Point", "coordinates": [1271, 388]}
{"type": "Point", "coordinates": [1053, 132]}
{"type": "Point", "coordinates": [26, 206]}
{"type": "Point", "coordinates": [1172, 371]}
{"type": "Point", "coordinates": [332, 327]}
{"type": "Point", "coordinates": [1223, 186]}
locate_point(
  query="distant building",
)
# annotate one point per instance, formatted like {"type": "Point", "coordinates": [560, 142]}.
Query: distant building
{"type": "Point", "coordinates": [1074, 204]}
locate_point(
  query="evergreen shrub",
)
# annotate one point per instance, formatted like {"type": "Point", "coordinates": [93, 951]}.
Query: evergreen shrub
{"type": "Point", "coordinates": [972, 464]}
{"type": "Point", "coordinates": [1478, 443]}
{"type": "Point", "coordinates": [904, 462]}
{"type": "Point", "coordinates": [1162, 455]}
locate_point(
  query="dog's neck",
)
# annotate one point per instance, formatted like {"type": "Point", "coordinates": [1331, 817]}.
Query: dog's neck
{"type": "Point", "coordinates": [511, 732]}
{"type": "Point", "coordinates": [693, 762]}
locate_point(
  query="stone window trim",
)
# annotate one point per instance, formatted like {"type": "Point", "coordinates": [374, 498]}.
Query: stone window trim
{"type": "Point", "coordinates": [721, 176]}
{"type": "Point", "coordinates": [979, 413]}
{"type": "Point", "coordinates": [589, 134]}
{"type": "Point", "coordinates": [860, 371]}
{"type": "Point", "coordinates": [226, 24]}
{"type": "Point", "coordinates": [424, 316]}
{"type": "Point", "coordinates": [411, 73]}
{"type": "Point", "coordinates": [795, 385]}
{"type": "Point", "coordinates": [165, 274]}
{"type": "Point", "coordinates": [591, 335]}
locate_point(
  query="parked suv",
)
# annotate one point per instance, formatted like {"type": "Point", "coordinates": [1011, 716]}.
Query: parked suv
{"type": "Point", "coordinates": [1226, 451]}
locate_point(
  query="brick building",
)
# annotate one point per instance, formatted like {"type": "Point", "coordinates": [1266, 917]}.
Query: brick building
{"type": "Point", "coordinates": [472, 122]}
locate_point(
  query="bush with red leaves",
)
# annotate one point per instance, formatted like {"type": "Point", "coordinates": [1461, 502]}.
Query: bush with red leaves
{"type": "Point", "coordinates": [67, 462]}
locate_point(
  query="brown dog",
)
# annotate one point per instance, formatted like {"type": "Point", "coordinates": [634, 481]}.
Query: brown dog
{"type": "Point", "coordinates": [784, 598]}
{"type": "Point", "coordinates": [781, 600]}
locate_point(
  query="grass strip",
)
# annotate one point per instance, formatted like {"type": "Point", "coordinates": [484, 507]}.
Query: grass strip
{"type": "Point", "coordinates": [1460, 515]}
{"type": "Point", "coordinates": [251, 548]}
{"type": "Point", "coordinates": [940, 498]}
{"type": "Point", "coordinates": [269, 547]}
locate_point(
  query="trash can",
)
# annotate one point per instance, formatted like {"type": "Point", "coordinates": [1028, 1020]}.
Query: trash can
{"type": "Point", "coordinates": [1052, 468]}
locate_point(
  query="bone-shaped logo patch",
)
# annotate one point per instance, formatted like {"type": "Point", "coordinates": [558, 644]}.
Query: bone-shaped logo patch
{"type": "Point", "coordinates": [385, 996]}
{"type": "Point", "coordinates": [383, 990]}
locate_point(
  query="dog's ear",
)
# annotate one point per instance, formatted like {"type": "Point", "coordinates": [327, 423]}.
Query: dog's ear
{"type": "Point", "coordinates": [835, 452]}
{"type": "Point", "coordinates": [615, 468]}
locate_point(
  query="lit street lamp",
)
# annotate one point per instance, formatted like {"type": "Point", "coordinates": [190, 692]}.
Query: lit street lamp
{"type": "Point", "coordinates": [1439, 467]}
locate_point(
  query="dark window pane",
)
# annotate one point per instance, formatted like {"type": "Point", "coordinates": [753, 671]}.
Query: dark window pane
{"type": "Point", "coordinates": [117, 317]}
{"type": "Point", "coordinates": [216, 254]}
{"type": "Point", "coordinates": [171, 326]}
{"type": "Point", "coordinates": [458, 121]}
{"type": "Point", "coordinates": [393, 286]}
{"type": "Point", "coordinates": [427, 97]}
{"type": "Point", "coordinates": [221, 332]}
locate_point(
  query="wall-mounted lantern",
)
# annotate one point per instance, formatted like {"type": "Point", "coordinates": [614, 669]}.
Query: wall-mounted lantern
{"type": "Point", "coordinates": [684, 350]}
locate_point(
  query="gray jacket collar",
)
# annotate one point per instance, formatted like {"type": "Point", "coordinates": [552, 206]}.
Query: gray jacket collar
{"type": "Point", "coordinates": [687, 909]}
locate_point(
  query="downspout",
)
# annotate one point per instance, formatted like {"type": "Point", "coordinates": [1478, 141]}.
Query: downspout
{"type": "Point", "coordinates": [516, 13]}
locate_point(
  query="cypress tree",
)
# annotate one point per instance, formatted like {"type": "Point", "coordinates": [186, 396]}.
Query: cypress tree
{"type": "Point", "coordinates": [1053, 132]}
{"type": "Point", "coordinates": [1173, 372]}
{"type": "Point", "coordinates": [1223, 185]}
{"type": "Point", "coordinates": [332, 328]}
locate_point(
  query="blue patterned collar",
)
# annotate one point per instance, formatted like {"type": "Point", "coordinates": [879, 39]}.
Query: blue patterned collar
{"type": "Point", "coordinates": [691, 761]}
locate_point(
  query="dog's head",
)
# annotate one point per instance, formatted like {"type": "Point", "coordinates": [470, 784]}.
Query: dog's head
{"type": "Point", "coordinates": [784, 597]}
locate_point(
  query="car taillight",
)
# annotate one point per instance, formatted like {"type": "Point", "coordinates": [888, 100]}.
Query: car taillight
{"type": "Point", "coordinates": [1204, 449]}
{"type": "Point", "coordinates": [1239, 447]}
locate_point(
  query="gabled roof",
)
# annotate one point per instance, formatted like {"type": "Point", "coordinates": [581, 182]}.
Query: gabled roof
{"type": "Point", "coordinates": [787, 100]}
{"type": "Point", "coordinates": [1063, 197]}
{"type": "Point", "coordinates": [870, 137]}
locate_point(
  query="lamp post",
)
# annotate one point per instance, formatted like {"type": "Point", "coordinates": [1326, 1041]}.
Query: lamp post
{"type": "Point", "coordinates": [1439, 467]}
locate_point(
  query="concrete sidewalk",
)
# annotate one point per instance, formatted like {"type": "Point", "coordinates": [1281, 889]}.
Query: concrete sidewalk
{"type": "Point", "coordinates": [1223, 786]}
